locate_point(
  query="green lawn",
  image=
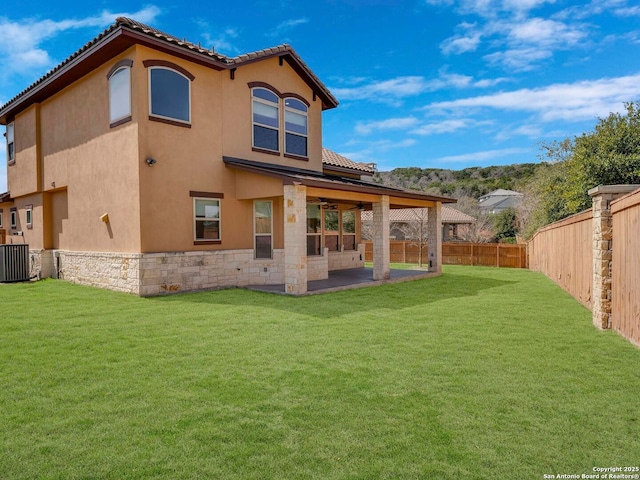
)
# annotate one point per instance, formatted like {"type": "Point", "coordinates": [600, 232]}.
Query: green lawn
{"type": "Point", "coordinates": [480, 373]}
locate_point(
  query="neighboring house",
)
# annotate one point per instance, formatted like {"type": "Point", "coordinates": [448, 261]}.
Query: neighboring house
{"type": "Point", "coordinates": [405, 221]}
{"type": "Point", "coordinates": [499, 200]}
{"type": "Point", "coordinates": [147, 164]}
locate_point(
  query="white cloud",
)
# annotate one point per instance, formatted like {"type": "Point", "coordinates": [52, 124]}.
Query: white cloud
{"type": "Point", "coordinates": [223, 41]}
{"type": "Point", "coordinates": [21, 40]}
{"type": "Point", "coordinates": [388, 124]}
{"type": "Point", "coordinates": [445, 126]}
{"type": "Point", "coordinates": [483, 155]}
{"type": "Point", "coordinates": [519, 60]}
{"type": "Point", "coordinates": [544, 32]}
{"type": "Point", "coordinates": [571, 102]}
{"type": "Point", "coordinates": [393, 90]}
{"type": "Point", "coordinates": [287, 25]}
{"type": "Point", "coordinates": [461, 44]}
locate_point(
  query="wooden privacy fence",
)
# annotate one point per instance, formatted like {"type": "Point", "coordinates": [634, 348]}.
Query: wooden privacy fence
{"type": "Point", "coordinates": [625, 268]}
{"type": "Point", "coordinates": [563, 252]}
{"type": "Point", "coordinates": [486, 254]}
{"type": "Point", "coordinates": [595, 257]}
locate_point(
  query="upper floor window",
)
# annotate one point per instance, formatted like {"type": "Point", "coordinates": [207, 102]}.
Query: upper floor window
{"type": "Point", "coordinates": [11, 154]}
{"type": "Point", "coordinates": [266, 119]}
{"type": "Point", "coordinates": [120, 95]}
{"type": "Point", "coordinates": [295, 127]}
{"type": "Point", "coordinates": [0, 218]}
{"type": "Point", "coordinates": [169, 94]}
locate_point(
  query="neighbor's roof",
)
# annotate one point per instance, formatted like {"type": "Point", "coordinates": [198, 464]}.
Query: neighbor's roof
{"type": "Point", "coordinates": [449, 215]}
{"type": "Point", "coordinates": [334, 159]}
{"type": "Point", "coordinates": [502, 193]}
{"type": "Point", "coordinates": [125, 33]}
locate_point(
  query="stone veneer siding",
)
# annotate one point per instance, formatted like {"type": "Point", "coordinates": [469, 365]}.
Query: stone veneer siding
{"type": "Point", "coordinates": [347, 259]}
{"type": "Point", "coordinates": [158, 273]}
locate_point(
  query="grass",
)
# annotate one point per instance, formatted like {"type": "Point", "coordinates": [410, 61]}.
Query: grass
{"type": "Point", "coordinates": [481, 373]}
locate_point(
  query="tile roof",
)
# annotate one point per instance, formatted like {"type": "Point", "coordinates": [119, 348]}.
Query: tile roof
{"type": "Point", "coordinates": [146, 29]}
{"type": "Point", "coordinates": [449, 215]}
{"type": "Point", "coordinates": [332, 158]}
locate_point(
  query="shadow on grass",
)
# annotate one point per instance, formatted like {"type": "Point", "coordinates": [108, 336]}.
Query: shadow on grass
{"type": "Point", "coordinates": [393, 296]}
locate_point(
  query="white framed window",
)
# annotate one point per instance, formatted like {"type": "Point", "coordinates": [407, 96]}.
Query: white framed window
{"type": "Point", "coordinates": [1, 218]}
{"type": "Point", "coordinates": [13, 218]}
{"type": "Point", "coordinates": [29, 216]}
{"type": "Point", "coordinates": [263, 228]}
{"type": "Point", "coordinates": [169, 95]}
{"type": "Point", "coordinates": [314, 230]}
{"type": "Point", "coordinates": [295, 127]}
{"type": "Point", "coordinates": [11, 153]}
{"type": "Point", "coordinates": [348, 230]}
{"type": "Point", "coordinates": [266, 119]}
{"type": "Point", "coordinates": [206, 219]}
{"type": "Point", "coordinates": [120, 94]}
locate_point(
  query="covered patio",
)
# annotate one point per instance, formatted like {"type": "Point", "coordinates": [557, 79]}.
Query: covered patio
{"type": "Point", "coordinates": [309, 262]}
{"type": "Point", "coordinates": [349, 279]}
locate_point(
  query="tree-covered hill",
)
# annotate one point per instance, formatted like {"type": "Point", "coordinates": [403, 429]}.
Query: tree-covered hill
{"type": "Point", "coordinates": [469, 182]}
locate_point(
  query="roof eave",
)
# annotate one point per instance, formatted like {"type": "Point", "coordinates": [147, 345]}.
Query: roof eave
{"type": "Point", "coordinates": [296, 63]}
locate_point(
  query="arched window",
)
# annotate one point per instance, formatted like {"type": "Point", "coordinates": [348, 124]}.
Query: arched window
{"type": "Point", "coordinates": [266, 119]}
{"type": "Point", "coordinates": [295, 127]}
{"type": "Point", "coordinates": [119, 78]}
{"type": "Point", "coordinates": [169, 95]}
{"type": "Point", "coordinates": [120, 94]}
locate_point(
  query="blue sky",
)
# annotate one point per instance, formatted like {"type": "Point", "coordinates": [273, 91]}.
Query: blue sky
{"type": "Point", "coordinates": [427, 83]}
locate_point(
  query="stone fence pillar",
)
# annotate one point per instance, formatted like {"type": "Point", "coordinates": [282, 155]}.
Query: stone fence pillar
{"type": "Point", "coordinates": [602, 196]}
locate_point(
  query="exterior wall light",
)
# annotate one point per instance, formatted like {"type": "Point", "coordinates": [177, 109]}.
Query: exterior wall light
{"type": "Point", "coordinates": [150, 161]}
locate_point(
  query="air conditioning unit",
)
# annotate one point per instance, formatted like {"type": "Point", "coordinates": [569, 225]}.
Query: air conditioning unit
{"type": "Point", "coordinates": [14, 263]}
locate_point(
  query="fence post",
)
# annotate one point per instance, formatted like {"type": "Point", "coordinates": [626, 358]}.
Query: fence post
{"type": "Point", "coordinates": [602, 255]}
{"type": "Point", "coordinates": [498, 255]}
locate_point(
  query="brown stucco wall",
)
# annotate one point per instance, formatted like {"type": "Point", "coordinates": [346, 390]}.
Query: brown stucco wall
{"type": "Point", "coordinates": [97, 165]}
{"type": "Point", "coordinates": [190, 159]}
{"type": "Point", "coordinates": [22, 176]}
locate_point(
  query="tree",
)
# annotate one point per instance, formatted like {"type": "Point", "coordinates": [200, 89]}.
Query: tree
{"type": "Point", "coordinates": [505, 224]}
{"type": "Point", "coordinates": [608, 155]}
{"type": "Point", "coordinates": [480, 230]}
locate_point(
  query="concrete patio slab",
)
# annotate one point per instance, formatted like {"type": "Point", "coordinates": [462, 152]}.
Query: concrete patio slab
{"type": "Point", "coordinates": [349, 279]}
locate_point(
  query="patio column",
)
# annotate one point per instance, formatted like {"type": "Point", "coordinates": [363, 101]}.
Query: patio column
{"type": "Point", "coordinates": [434, 237]}
{"type": "Point", "coordinates": [381, 245]}
{"type": "Point", "coordinates": [295, 239]}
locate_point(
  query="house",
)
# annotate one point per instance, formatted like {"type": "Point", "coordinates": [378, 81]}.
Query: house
{"type": "Point", "coordinates": [499, 200]}
{"type": "Point", "coordinates": [147, 164]}
{"type": "Point", "coordinates": [405, 221]}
